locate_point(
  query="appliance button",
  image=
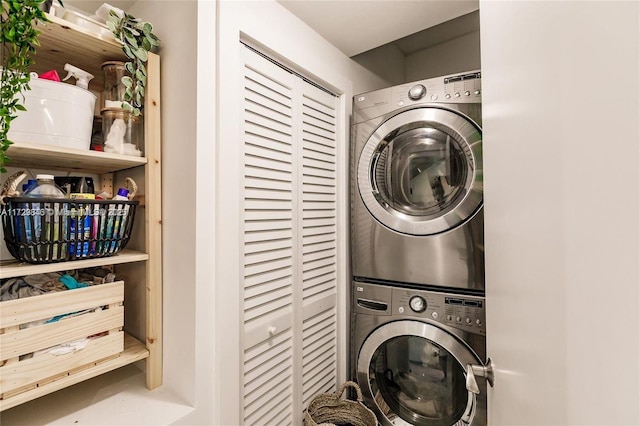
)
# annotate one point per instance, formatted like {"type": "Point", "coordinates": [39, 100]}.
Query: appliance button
{"type": "Point", "coordinates": [401, 310]}
{"type": "Point", "coordinates": [447, 96]}
{"type": "Point", "coordinates": [467, 93]}
{"type": "Point", "coordinates": [478, 322]}
{"type": "Point", "coordinates": [458, 319]}
{"type": "Point", "coordinates": [449, 318]}
{"type": "Point", "coordinates": [457, 94]}
{"type": "Point", "coordinates": [418, 304]}
{"type": "Point", "coordinates": [476, 92]}
{"type": "Point", "coordinates": [434, 315]}
{"type": "Point", "coordinates": [434, 97]}
{"type": "Point", "coordinates": [417, 92]}
{"type": "Point", "coordinates": [468, 321]}
{"type": "Point", "coordinates": [400, 103]}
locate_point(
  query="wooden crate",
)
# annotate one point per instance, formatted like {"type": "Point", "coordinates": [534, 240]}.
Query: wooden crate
{"type": "Point", "coordinates": [23, 375]}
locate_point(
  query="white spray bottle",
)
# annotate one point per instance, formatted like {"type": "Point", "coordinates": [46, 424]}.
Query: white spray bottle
{"type": "Point", "coordinates": [82, 77]}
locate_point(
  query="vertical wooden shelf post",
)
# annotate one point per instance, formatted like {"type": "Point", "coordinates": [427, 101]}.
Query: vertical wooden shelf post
{"type": "Point", "coordinates": [153, 219]}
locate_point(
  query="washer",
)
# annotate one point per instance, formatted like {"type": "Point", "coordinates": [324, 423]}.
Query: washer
{"type": "Point", "coordinates": [413, 352]}
{"type": "Point", "coordinates": [416, 184]}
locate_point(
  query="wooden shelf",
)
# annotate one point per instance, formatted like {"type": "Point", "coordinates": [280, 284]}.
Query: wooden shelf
{"type": "Point", "coordinates": [13, 268]}
{"type": "Point", "coordinates": [134, 350]}
{"type": "Point", "coordinates": [52, 157]}
{"type": "Point", "coordinates": [64, 42]}
{"type": "Point", "coordinates": [82, 48]}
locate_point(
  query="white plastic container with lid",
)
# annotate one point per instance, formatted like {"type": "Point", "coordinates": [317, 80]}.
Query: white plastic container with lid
{"type": "Point", "coordinates": [57, 113]}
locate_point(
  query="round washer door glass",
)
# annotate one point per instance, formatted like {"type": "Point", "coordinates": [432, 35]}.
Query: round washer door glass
{"type": "Point", "coordinates": [416, 377]}
{"type": "Point", "coordinates": [420, 172]}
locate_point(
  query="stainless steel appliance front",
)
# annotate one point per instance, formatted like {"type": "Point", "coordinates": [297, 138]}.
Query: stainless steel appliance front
{"type": "Point", "coordinates": [416, 184]}
{"type": "Point", "coordinates": [411, 355]}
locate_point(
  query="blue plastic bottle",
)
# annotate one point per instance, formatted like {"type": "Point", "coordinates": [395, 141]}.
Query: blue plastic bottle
{"type": "Point", "coordinates": [19, 220]}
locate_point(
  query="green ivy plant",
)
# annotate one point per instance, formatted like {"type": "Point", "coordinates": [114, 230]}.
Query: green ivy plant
{"type": "Point", "coordinates": [137, 40]}
{"type": "Point", "coordinates": [19, 38]}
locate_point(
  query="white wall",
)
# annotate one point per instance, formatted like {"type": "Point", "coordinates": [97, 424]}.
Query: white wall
{"type": "Point", "coordinates": [178, 52]}
{"type": "Point", "coordinates": [453, 56]}
{"type": "Point", "coordinates": [387, 61]}
{"type": "Point", "coordinates": [561, 108]}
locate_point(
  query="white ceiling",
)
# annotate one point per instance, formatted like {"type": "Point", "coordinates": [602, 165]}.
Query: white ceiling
{"type": "Point", "coordinates": [356, 26]}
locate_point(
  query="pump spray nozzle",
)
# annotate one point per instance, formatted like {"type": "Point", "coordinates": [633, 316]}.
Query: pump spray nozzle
{"type": "Point", "coordinates": [82, 77]}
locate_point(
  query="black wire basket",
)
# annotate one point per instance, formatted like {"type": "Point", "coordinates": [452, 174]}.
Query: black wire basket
{"type": "Point", "coordinates": [49, 230]}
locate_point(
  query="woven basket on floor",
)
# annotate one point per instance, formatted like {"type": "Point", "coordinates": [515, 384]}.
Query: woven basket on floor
{"type": "Point", "coordinates": [329, 409]}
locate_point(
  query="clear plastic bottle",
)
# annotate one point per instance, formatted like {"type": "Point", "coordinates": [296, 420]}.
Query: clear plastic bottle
{"type": "Point", "coordinates": [46, 217]}
{"type": "Point", "coordinates": [45, 187]}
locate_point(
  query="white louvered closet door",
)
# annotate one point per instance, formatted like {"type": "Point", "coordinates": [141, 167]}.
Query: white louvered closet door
{"type": "Point", "coordinates": [289, 288]}
{"type": "Point", "coordinates": [316, 171]}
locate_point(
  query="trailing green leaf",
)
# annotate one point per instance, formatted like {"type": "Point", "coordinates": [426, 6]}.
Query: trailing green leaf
{"type": "Point", "coordinates": [18, 41]}
{"type": "Point", "coordinates": [137, 40]}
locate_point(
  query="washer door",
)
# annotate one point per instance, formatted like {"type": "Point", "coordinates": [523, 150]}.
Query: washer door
{"type": "Point", "coordinates": [420, 172]}
{"type": "Point", "coordinates": [413, 373]}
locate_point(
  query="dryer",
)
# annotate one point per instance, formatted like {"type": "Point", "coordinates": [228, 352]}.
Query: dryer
{"type": "Point", "coordinates": [414, 354]}
{"type": "Point", "coordinates": [416, 184]}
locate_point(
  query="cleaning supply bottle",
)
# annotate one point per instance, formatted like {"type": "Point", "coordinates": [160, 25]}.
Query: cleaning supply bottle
{"type": "Point", "coordinates": [46, 216]}
{"type": "Point", "coordinates": [82, 77]}
{"type": "Point", "coordinates": [119, 215]}
{"type": "Point", "coordinates": [20, 220]}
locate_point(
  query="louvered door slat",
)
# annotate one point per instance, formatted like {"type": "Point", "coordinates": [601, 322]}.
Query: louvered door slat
{"type": "Point", "coordinates": [318, 147]}
{"type": "Point", "coordinates": [272, 184]}
{"type": "Point", "coordinates": [320, 140]}
{"type": "Point", "coordinates": [266, 246]}
{"type": "Point", "coordinates": [269, 151]}
{"type": "Point", "coordinates": [316, 247]}
{"type": "Point", "coordinates": [319, 239]}
{"type": "Point", "coordinates": [254, 94]}
{"type": "Point", "coordinates": [266, 287]}
{"type": "Point", "coordinates": [318, 123]}
{"type": "Point", "coordinates": [322, 102]}
{"type": "Point", "coordinates": [253, 130]}
{"type": "Point", "coordinates": [267, 108]}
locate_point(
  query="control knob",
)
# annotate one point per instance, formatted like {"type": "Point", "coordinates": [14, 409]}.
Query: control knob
{"type": "Point", "coordinates": [417, 92]}
{"type": "Point", "coordinates": [418, 304]}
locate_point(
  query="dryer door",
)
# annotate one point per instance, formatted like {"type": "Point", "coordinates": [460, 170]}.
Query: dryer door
{"type": "Point", "coordinates": [413, 373]}
{"type": "Point", "coordinates": [420, 172]}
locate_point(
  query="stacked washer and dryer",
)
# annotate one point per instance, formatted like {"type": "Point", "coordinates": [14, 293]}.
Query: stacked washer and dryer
{"type": "Point", "coordinates": [418, 307]}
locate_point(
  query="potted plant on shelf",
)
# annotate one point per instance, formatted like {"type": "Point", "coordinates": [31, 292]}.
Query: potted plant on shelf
{"type": "Point", "coordinates": [18, 38]}
{"type": "Point", "coordinates": [137, 40]}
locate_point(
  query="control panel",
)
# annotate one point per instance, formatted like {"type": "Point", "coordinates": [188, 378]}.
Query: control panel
{"type": "Point", "coordinates": [460, 311]}
{"type": "Point", "coordinates": [463, 312]}
{"type": "Point", "coordinates": [462, 88]}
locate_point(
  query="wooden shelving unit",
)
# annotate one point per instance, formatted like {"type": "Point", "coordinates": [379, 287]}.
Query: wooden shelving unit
{"type": "Point", "coordinates": [63, 42]}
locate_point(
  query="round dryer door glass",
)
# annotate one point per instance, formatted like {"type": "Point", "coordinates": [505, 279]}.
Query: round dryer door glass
{"type": "Point", "coordinates": [418, 381]}
{"type": "Point", "coordinates": [413, 374]}
{"type": "Point", "coordinates": [420, 172]}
